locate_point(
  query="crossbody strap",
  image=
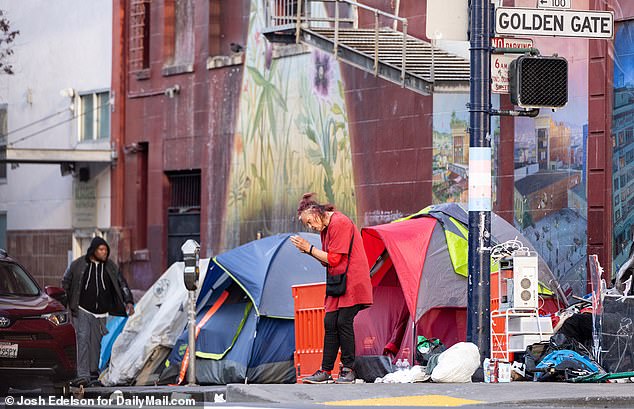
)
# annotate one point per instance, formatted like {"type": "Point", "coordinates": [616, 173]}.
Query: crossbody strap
{"type": "Point", "coordinates": [349, 251]}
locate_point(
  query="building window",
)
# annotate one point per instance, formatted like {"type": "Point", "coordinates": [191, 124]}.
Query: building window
{"type": "Point", "coordinates": [139, 36]}
{"type": "Point", "coordinates": [94, 117]}
{"type": "Point", "coordinates": [183, 212]}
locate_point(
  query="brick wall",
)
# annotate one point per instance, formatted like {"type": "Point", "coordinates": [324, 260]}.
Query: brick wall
{"type": "Point", "coordinates": [44, 253]}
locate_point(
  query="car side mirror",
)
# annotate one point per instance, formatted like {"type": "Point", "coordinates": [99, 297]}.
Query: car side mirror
{"type": "Point", "coordinates": [56, 293]}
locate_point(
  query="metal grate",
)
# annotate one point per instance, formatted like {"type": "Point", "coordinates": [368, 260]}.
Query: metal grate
{"type": "Point", "coordinates": [422, 60]}
{"type": "Point", "coordinates": [382, 46]}
{"type": "Point", "coordinates": [185, 190]}
{"type": "Point", "coordinates": [539, 82]}
{"type": "Point", "coordinates": [139, 35]}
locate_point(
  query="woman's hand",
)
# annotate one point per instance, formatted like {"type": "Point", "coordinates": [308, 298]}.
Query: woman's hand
{"type": "Point", "coordinates": [302, 244]}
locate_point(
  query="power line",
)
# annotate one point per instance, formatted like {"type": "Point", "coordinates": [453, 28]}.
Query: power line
{"type": "Point", "coordinates": [35, 122]}
{"type": "Point", "coordinates": [53, 126]}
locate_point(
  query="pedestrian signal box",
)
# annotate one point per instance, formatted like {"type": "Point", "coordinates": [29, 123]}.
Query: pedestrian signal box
{"type": "Point", "coordinates": [539, 82]}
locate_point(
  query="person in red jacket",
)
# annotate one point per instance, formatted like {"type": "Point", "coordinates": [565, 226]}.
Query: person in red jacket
{"type": "Point", "coordinates": [341, 249]}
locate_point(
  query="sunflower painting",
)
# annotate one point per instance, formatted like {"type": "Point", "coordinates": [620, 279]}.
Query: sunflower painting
{"type": "Point", "coordinates": [292, 137]}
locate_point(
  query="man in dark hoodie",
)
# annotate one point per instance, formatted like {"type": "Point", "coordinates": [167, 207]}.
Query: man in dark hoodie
{"type": "Point", "coordinates": [95, 288]}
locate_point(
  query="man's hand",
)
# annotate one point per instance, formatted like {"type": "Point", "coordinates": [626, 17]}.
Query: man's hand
{"type": "Point", "coordinates": [129, 309]}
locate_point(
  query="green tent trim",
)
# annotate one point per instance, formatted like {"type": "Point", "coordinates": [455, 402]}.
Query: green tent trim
{"type": "Point", "coordinates": [457, 235]}
{"type": "Point", "coordinates": [217, 357]}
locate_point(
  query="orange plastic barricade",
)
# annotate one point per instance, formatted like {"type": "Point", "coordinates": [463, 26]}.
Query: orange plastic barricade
{"type": "Point", "coordinates": [309, 329]}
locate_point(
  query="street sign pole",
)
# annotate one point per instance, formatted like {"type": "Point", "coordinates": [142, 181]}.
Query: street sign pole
{"type": "Point", "coordinates": [480, 203]}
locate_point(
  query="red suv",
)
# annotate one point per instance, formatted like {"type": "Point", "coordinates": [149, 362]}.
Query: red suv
{"type": "Point", "coordinates": [37, 340]}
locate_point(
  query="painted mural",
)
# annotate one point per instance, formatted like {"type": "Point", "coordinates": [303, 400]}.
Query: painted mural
{"type": "Point", "coordinates": [623, 146]}
{"type": "Point", "coordinates": [550, 201]}
{"type": "Point", "coordinates": [292, 138]}
{"type": "Point", "coordinates": [450, 168]}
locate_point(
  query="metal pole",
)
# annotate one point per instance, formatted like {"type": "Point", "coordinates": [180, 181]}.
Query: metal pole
{"type": "Point", "coordinates": [478, 301]}
{"type": "Point", "coordinates": [404, 53]}
{"type": "Point", "coordinates": [336, 45]}
{"type": "Point", "coordinates": [191, 370]}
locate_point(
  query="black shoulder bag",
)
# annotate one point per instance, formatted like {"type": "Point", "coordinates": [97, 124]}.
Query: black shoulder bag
{"type": "Point", "coordinates": [336, 284]}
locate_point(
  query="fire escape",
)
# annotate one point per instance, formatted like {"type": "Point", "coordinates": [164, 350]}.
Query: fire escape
{"type": "Point", "coordinates": [379, 44]}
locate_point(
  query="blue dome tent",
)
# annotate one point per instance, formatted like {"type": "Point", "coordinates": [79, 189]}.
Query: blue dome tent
{"type": "Point", "coordinates": [245, 314]}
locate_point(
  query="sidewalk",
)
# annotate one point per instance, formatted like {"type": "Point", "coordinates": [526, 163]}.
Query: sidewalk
{"type": "Point", "coordinates": [519, 394]}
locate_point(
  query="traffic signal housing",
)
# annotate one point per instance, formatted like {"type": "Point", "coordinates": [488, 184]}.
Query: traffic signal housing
{"type": "Point", "coordinates": [539, 81]}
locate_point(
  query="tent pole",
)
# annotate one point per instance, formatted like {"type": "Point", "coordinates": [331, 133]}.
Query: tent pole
{"type": "Point", "coordinates": [413, 357]}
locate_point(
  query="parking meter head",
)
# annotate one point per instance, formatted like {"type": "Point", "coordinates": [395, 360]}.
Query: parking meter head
{"type": "Point", "coordinates": [191, 254]}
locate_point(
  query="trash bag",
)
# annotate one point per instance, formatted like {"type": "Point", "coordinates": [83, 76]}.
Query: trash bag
{"type": "Point", "coordinates": [457, 364]}
{"type": "Point", "coordinates": [370, 367]}
{"type": "Point", "coordinates": [534, 354]}
{"type": "Point", "coordinates": [565, 364]}
{"type": "Point", "coordinates": [426, 347]}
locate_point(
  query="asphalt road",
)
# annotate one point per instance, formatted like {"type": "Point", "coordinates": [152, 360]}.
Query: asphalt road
{"type": "Point", "coordinates": [429, 395]}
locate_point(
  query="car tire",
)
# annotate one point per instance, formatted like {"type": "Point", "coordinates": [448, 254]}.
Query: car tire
{"type": "Point", "coordinates": [4, 388]}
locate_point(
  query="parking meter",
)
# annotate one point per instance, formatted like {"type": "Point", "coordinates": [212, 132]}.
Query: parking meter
{"type": "Point", "coordinates": [191, 255]}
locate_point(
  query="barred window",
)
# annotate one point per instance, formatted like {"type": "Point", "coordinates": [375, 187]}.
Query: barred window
{"type": "Point", "coordinates": [139, 35]}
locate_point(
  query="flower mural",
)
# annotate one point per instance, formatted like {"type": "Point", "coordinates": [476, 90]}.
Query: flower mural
{"type": "Point", "coordinates": [292, 137]}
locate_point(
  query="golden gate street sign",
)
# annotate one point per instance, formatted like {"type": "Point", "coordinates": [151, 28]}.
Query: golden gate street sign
{"type": "Point", "coordinates": [556, 23]}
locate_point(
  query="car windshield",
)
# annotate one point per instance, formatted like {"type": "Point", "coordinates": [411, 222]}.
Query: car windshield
{"type": "Point", "coordinates": [15, 281]}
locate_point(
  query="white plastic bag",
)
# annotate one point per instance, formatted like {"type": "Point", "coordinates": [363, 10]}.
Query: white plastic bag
{"type": "Point", "coordinates": [457, 364]}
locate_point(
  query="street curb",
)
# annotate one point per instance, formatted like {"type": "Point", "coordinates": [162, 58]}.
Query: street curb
{"type": "Point", "coordinates": [591, 401]}
{"type": "Point", "coordinates": [199, 393]}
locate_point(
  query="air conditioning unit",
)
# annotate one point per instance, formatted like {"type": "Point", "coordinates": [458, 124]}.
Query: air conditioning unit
{"type": "Point", "coordinates": [525, 281]}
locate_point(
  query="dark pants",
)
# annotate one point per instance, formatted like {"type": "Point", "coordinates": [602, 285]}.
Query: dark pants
{"type": "Point", "coordinates": [339, 332]}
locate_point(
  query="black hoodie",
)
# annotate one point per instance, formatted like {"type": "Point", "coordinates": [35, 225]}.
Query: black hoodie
{"type": "Point", "coordinates": [74, 283]}
{"type": "Point", "coordinates": [97, 292]}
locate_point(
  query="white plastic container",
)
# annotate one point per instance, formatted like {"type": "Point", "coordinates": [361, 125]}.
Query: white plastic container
{"type": "Point", "coordinates": [518, 343]}
{"type": "Point", "coordinates": [530, 324]}
{"type": "Point", "coordinates": [504, 372]}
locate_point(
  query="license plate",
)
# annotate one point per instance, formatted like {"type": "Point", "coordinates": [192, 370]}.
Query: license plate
{"type": "Point", "coordinates": [8, 350]}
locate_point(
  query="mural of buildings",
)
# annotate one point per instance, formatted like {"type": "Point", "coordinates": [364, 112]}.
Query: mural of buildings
{"type": "Point", "coordinates": [623, 144]}
{"type": "Point", "coordinates": [543, 193]}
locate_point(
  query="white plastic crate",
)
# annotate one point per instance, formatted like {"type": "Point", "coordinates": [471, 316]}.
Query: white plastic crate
{"type": "Point", "coordinates": [520, 342]}
{"type": "Point", "coordinates": [530, 324]}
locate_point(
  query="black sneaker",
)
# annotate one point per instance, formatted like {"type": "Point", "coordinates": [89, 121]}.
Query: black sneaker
{"type": "Point", "coordinates": [95, 383]}
{"type": "Point", "coordinates": [320, 376]}
{"type": "Point", "coordinates": [346, 375]}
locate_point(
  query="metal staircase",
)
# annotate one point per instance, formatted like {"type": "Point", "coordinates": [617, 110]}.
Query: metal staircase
{"type": "Point", "coordinates": [385, 50]}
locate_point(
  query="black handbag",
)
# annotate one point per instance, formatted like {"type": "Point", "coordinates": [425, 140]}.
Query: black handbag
{"type": "Point", "coordinates": [336, 284]}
